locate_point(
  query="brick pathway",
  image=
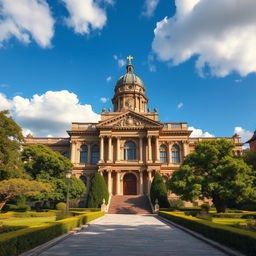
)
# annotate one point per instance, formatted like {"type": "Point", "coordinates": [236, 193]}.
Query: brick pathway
{"type": "Point", "coordinates": [125, 235]}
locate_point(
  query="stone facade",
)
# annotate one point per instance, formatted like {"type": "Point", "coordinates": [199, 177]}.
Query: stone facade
{"type": "Point", "coordinates": [130, 140]}
{"type": "Point", "coordinates": [252, 141]}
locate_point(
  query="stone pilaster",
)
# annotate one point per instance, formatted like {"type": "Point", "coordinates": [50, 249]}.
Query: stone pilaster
{"type": "Point", "coordinates": [149, 150]}
{"type": "Point", "coordinates": [157, 150]}
{"type": "Point", "coordinates": [109, 149]}
{"type": "Point", "coordinates": [141, 182]}
{"type": "Point", "coordinates": [109, 182]}
{"type": "Point", "coordinates": [101, 149]}
{"type": "Point", "coordinates": [140, 149]}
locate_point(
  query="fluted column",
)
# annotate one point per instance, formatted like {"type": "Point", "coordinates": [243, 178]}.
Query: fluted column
{"type": "Point", "coordinates": [101, 149]}
{"type": "Point", "coordinates": [109, 182]}
{"type": "Point", "coordinates": [118, 182]}
{"type": "Point", "coordinates": [169, 153]}
{"type": "Point", "coordinates": [109, 149]}
{"type": "Point", "coordinates": [149, 149]}
{"type": "Point", "coordinates": [141, 183]}
{"type": "Point", "coordinates": [89, 154]}
{"type": "Point", "coordinates": [118, 149]}
{"type": "Point", "coordinates": [157, 150]}
{"type": "Point", "coordinates": [149, 180]}
{"type": "Point", "coordinates": [140, 148]}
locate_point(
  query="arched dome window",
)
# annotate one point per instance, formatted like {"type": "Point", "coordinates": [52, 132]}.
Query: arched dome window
{"type": "Point", "coordinates": [175, 154]}
{"type": "Point", "coordinates": [95, 154]}
{"type": "Point", "coordinates": [163, 154]}
{"type": "Point", "coordinates": [129, 151]}
{"type": "Point", "coordinates": [83, 154]}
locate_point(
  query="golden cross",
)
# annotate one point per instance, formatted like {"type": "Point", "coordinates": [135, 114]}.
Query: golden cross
{"type": "Point", "coordinates": [130, 58]}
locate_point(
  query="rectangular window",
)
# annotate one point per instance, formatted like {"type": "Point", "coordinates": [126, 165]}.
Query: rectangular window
{"type": "Point", "coordinates": [163, 157]}
{"type": "Point", "coordinates": [95, 157]}
{"type": "Point", "coordinates": [176, 125]}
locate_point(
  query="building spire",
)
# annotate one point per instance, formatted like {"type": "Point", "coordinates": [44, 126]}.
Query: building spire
{"type": "Point", "coordinates": [129, 67]}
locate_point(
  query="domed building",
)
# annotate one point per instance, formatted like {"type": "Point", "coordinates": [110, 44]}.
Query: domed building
{"type": "Point", "coordinates": [129, 145]}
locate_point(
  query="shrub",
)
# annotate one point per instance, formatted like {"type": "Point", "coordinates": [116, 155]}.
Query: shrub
{"type": "Point", "coordinates": [61, 206]}
{"type": "Point", "coordinates": [26, 214]}
{"type": "Point", "coordinates": [176, 203]}
{"type": "Point", "coordinates": [98, 192]}
{"type": "Point", "coordinates": [17, 242]}
{"type": "Point", "coordinates": [242, 240]}
{"type": "Point", "coordinates": [158, 191]}
{"type": "Point", "coordinates": [205, 207]}
{"type": "Point", "coordinates": [10, 207]}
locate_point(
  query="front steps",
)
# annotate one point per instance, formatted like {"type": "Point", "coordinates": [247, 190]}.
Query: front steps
{"type": "Point", "coordinates": [132, 204]}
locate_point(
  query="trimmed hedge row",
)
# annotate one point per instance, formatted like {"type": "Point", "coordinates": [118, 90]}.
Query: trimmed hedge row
{"type": "Point", "coordinates": [17, 242]}
{"type": "Point", "coordinates": [27, 214]}
{"type": "Point", "coordinates": [84, 209]}
{"type": "Point", "coordinates": [241, 240]}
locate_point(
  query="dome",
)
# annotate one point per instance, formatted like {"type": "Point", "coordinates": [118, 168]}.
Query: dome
{"type": "Point", "coordinates": [129, 78]}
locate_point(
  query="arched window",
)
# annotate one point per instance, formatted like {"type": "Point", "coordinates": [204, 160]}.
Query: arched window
{"type": "Point", "coordinates": [95, 154]}
{"type": "Point", "coordinates": [163, 154]}
{"type": "Point", "coordinates": [83, 154]}
{"type": "Point", "coordinates": [175, 154]}
{"type": "Point", "coordinates": [66, 154]}
{"type": "Point", "coordinates": [129, 151]}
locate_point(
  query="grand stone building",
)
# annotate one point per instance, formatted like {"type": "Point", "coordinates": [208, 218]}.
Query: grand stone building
{"type": "Point", "coordinates": [129, 145]}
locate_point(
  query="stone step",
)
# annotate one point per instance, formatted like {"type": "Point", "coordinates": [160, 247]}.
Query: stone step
{"type": "Point", "coordinates": [129, 205]}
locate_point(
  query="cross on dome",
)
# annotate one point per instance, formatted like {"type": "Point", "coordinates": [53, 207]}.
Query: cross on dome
{"type": "Point", "coordinates": [129, 58]}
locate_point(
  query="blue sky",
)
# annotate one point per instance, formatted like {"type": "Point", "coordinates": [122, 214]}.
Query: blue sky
{"type": "Point", "coordinates": [197, 67]}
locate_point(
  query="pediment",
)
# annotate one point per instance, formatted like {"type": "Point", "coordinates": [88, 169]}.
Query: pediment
{"type": "Point", "coordinates": [129, 120]}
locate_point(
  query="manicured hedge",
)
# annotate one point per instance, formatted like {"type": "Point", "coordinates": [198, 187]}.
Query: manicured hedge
{"type": "Point", "coordinates": [84, 209]}
{"type": "Point", "coordinates": [242, 240]}
{"type": "Point", "coordinates": [17, 242]}
{"type": "Point", "coordinates": [27, 214]}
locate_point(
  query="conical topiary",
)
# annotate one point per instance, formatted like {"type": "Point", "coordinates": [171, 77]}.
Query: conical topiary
{"type": "Point", "coordinates": [98, 192]}
{"type": "Point", "coordinates": [158, 191]}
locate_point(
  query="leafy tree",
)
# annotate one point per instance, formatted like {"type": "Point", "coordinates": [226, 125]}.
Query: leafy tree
{"type": "Point", "coordinates": [40, 159]}
{"type": "Point", "coordinates": [13, 187]}
{"type": "Point", "coordinates": [213, 172]}
{"type": "Point", "coordinates": [98, 192]}
{"type": "Point", "coordinates": [158, 191]}
{"type": "Point", "coordinates": [10, 146]}
{"type": "Point", "coordinates": [250, 158]}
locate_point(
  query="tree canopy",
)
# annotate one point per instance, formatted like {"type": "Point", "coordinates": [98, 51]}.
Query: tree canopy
{"type": "Point", "coordinates": [213, 172]}
{"type": "Point", "coordinates": [13, 187]}
{"type": "Point", "coordinates": [250, 158]}
{"type": "Point", "coordinates": [10, 145]}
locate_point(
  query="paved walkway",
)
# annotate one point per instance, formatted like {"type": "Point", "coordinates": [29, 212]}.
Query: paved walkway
{"type": "Point", "coordinates": [125, 235]}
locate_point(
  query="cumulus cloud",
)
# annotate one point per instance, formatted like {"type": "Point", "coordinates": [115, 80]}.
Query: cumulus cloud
{"type": "Point", "coordinates": [26, 19]}
{"type": "Point", "coordinates": [50, 113]}
{"type": "Point", "coordinates": [243, 133]}
{"type": "Point", "coordinates": [109, 78]}
{"type": "Point", "coordinates": [121, 62]}
{"type": "Point", "coordinates": [199, 133]}
{"type": "Point", "coordinates": [180, 105]}
{"type": "Point", "coordinates": [85, 16]}
{"type": "Point", "coordinates": [150, 7]}
{"type": "Point", "coordinates": [221, 34]}
{"type": "Point", "coordinates": [103, 99]}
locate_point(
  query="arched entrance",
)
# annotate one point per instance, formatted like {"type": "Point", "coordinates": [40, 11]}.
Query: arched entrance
{"type": "Point", "coordinates": [130, 184]}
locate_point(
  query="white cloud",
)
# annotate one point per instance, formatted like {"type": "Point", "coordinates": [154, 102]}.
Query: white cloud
{"type": "Point", "coordinates": [121, 62]}
{"type": "Point", "coordinates": [180, 105]}
{"type": "Point", "coordinates": [222, 34]}
{"type": "Point", "coordinates": [149, 7]}
{"type": "Point", "coordinates": [244, 134]}
{"type": "Point", "coordinates": [238, 80]}
{"type": "Point", "coordinates": [85, 15]}
{"type": "Point", "coordinates": [151, 65]}
{"type": "Point", "coordinates": [199, 133]}
{"type": "Point", "coordinates": [26, 19]}
{"type": "Point", "coordinates": [109, 78]}
{"type": "Point", "coordinates": [103, 99]}
{"type": "Point", "coordinates": [49, 113]}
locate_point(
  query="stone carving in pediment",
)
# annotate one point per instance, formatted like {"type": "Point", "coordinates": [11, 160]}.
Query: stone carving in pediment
{"type": "Point", "coordinates": [129, 121]}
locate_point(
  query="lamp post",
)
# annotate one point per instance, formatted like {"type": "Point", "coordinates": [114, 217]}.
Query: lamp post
{"type": "Point", "coordinates": [68, 176]}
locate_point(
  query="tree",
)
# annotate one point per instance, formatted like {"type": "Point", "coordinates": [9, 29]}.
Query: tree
{"type": "Point", "coordinates": [250, 158]}
{"type": "Point", "coordinates": [40, 159]}
{"type": "Point", "coordinates": [13, 187]}
{"type": "Point", "coordinates": [10, 146]}
{"type": "Point", "coordinates": [98, 192]}
{"type": "Point", "coordinates": [158, 191]}
{"type": "Point", "coordinates": [213, 172]}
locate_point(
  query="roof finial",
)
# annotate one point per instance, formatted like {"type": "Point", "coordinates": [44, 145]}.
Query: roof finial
{"type": "Point", "coordinates": [130, 58]}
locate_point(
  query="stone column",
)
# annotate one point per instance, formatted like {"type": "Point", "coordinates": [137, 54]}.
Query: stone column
{"type": "Point", "coordinates": [157, 150]}
{"type": "Point", "coordinates": [149, 180]}
{"type": "Point", "coordinates": [109, 149]}
{"type": "Point", "coordinates": [117, 149]}
{"type": "Point", "coordinates": [185, 148]}
{"type": "Point", "coordinates": [118, 182]}
{"type": "Point", "coordinates": [141, 182]}
{"type": "Point", "coordinates": [73, 152]}
{"type": "Point", "coordinates": [141, 148]}
{"type": "Point", "coordinates": [169, 153]}
{"type": "Point", "coordinates": [109, 182]}
{"type": "Point", "coordinates": [101, 149]}
{"type": "Point", "coordinates": [149, 150]}
{"type": "Point", "coordinates": [89, 154]}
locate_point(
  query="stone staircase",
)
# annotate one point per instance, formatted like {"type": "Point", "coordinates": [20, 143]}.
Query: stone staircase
{"type": "Point", "coordinates": [129, 205]}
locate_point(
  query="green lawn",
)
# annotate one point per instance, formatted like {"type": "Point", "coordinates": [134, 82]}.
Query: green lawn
{"type": "Point", "coordinates": [27, 221]}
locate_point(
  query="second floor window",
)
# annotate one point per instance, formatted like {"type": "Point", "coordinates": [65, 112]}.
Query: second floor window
{"type": "Point", "coordinates": [163, 154]}
{"type": "Point", "coordinates": [83, 154]}
{"type": "Point", "coordinates": [176, 154]}
{"type": "Point", "coordinates": [95, 154]}
{"type": "Point", "coordinates": [129, 151]}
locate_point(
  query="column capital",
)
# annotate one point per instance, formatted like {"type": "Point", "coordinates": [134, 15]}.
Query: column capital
{"type": "Point", "coordinates": [109, 170]}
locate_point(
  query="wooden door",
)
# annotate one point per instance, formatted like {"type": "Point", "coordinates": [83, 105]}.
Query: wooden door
{"type": "Point", "coordinates": [130, 184]}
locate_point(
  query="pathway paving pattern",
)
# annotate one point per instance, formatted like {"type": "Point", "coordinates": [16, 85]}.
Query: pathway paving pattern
{"type": "Point", "coordinates": [129, 234]}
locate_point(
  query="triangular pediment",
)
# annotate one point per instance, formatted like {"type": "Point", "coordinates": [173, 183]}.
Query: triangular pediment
{"type": "Point", "coordinates": [129, 120]}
